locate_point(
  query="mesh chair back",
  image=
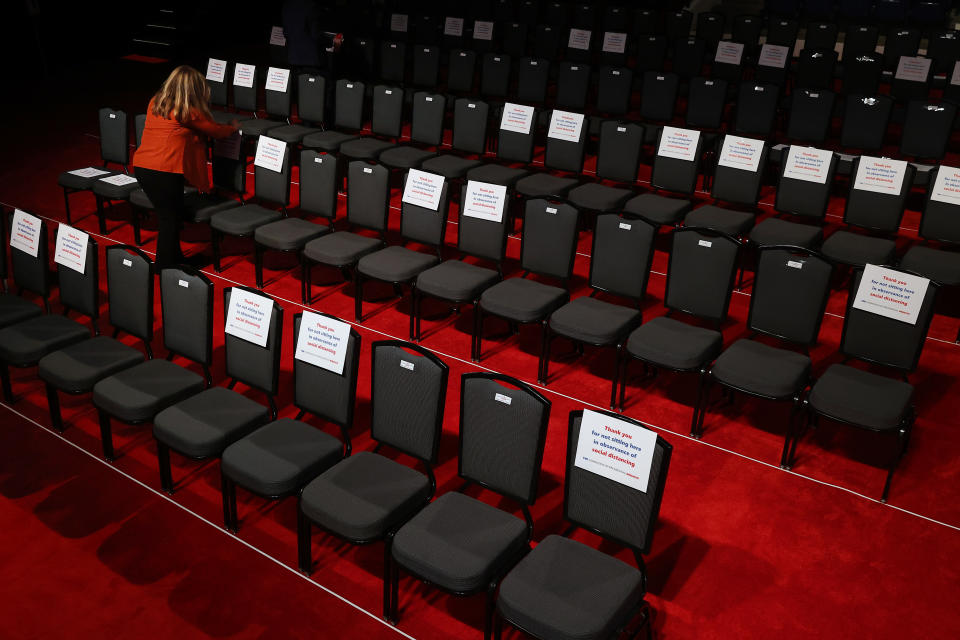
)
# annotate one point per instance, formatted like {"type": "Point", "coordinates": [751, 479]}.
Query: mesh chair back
{"type": "Point", "coordinates": [614, 86]}
{"type": "Point", "coordinates": [573, 82]}
{"type": "Point", "coordinates": [186, 303]}
{"type": "Point", "coordinates": [426, 66]}
{"type": "Point", "coordinates": [567, 155]}
{"type": "Point", "coordinates": [546, 42]}
{"type": "Point", "coordinates": [739, 185]}
{"type": "Point", "coordinates": [318, 183]}
{"type": "Point", "coordinates": [651, 52]}
{"type": "Point", "coordinates": [941, 220]}
{"type": "Point", "coordinates": [348, 104]}
{"type": "Point", "coordinates": [706, 102]}
{"type": "Point", "coordinates": [81, 291]}
{"type": "Point", "coordinates": [326, 394]}
{"type": "Point", "coordinates": [789, 294]}
{"type": "Point", "coordinates": [811, 112]}
{"type": "Point", "coordinates": [860, 40]}
{"type": "Point", "coordinates": [277, 103]}
{"type": "Point", "coordinates": [865, 121]}
{"type": "Point", "coordinates": [502, 433]}
{"type": "Point", "coordinates": [815, 68]}
{"type": "Point", "coordinates": [423, 225]}
{"type": "Point", "coordinates": [470, 125]}
{"type": "Point", "coordinates": [513, 146]}
{"type": "Point", "coordinates": [311, 97]}
{"type": "Point", "coordinates": [861, 75]}
{"type": "Point", "coordinates": [927, 129]}
{"type": "Point", "coordinates": [821, 35]}
{"type": "Point", "coordinates": [877, 211]}
{"type": "Point", "coordinates": [688, 56]}
{"type": "Point", "coordinates": [273, 186]}
{"type": "Point", "coordinates": [532, 77]}
{"type": "Point", "coordinates": [674, 174]}
{"type": "Point", "coordinates": [756, 109]}
{"type": "Point", "coordinates": [427, 122]}
{"type": "Point", "coordinates": [393, 61]}
{"type": "Point", "coordinates": [549, 242]}
{"type": "Point", "coordinates": [460, 70]}
{"type": "Point", "coordinates": [609, 508]}
{"type": "Point", "coordinates": [618, 156]}
{"type": "Point", "coordinates": [31, 272]}
{"type": "Point", "coordinates": [495, 75]}
{"type": "Point", "coordinates": [368, 195]}
{"type": "Point", "coordinates": [251, 364]}
{"type": "Point", "coordinates": [130, 290]}
{"type": "Point", "coordinates": [482, 238]}
{"type": "Point", "coordinates": [139, 122]}
{"type": "Point", "coordinates": [659, 95]}
{"type": "Point", "coordinates": [701, 271]}
{"type": "Point", "coordinates": [245, 98]}
{"type": "Point", "coordinates": [621, 255]}
{"type": "Point", "coordinates": [408, 391]}
{"type": "Point", "coordinates": [514, 38]}
{"type": "Point", "coordinates": [387, 111]}
{"type": "Point", "coordinates": [802, 197]}
{"type": "Point", "coordinates": [114, 135]}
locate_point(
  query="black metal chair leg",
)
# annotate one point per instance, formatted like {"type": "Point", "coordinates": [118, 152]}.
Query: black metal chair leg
{"type": "Point", "coordinates": [544, 354]}
{"type": "Point", "coordinates": [700, 407]}
{"type": "Point", "coordinates": [413, 315]}
{"type": "Point", "coordinates": [7, 385]}
{"type": "Point", "coordinates": [106, 435]}
{"type": "Point", "coordinates": [902, 436]}
{"type": "Point", "coordinates": [387, 573]}
{"type": "Point", "coordinates": [792, 432]}
{"type": "Point", "coordinates": [53, 403]}
{"type": "Point", "coordinates": [394, 593]}
{"type": "Point", "coordinates": [225, 485]}
{"type": "Point", "coordinates": [66, 205]}
{"type": "Point", "coordinates": [357, 296]}
{"type": "Point", "coordinates": [101, 216]}
{"type": "Point", "coordinates": [136, 222]}
{"type": "Point", "coordinates": [497, 625]}
{"type": "Point", "coordinates": [623, 381]}
{"type": "Point", "coordinates": [477, 332]}
{"type": "Point", "coordinates": [258, 250]}
{"type": "Point", "coordinates": [215, 246]}
{"type": "Point", "coordinates": [615, 378]}
{"type": "Point", "coordinates": [304, 282]}
{"type": "Point", "coordinates": [418, 303]}
{"type": "Point", "coordinates": [304, 552]}
{"type": "Point", "coordinates": [163, 461]}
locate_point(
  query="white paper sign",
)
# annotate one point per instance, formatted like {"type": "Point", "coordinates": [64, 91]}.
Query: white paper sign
{"type": "Point", "coordinates": [277, 79]}
{"type": "Point", "coordinates": [946, 188]}
{"type": "Point", "coordinates": [243, 75]}
{"type": "Point", "coordinates": [322, 342]}
{"type": "Point", "coordinates": [453, 27]}
{"type": "Point", "coordinates": [880, 175]}
{"type": "Point", "coordinates": [398, 22]}
{"type": "Point", "coordinates": [579, 39]}
{"type": "Point", "coordinates": [614, 42]}
{"type": "Point", "coordinates": [423, 189]}
{"type": "Point", "coordinates": [808, 163]}
{"type": "Point", "coordinates": [615, 449]}
{"type": "Point", "coordinates": [71, 249]}
{"type": "Point", "coordinates": [248, 316]}
{"type": "Point", "coordinates": [482, 30]}
{"type": "Point", "coordinates": [955, 77]}
{"type": "Point", "coordinates": [890, 293]}
{"type": "Point", "coordinates": [89, 172]}
{"type": "Point", "coordinates": [216, 69]}
{"type": "Point", "coordinates": [913, 68]}
{"type": "Point", "coordinates": [485, 201]}
{"type": "Point", "coordinates": [741, 153]}
{"type": "Point", "coordinates": [228, 147]}
{"type": "Point", "coordinates": [773, 55]}
{"type": "Point", "coordinates": [729, 52]}
{"type": "Point", "coordinates": [516, 117]}
{"type": "Point", "coordinates": [678, 143]}
{"type": "Point", "coordinates": [270, 153]}
{"type": "Point", "coordinates": [277, 37]}
{"type": "Point", "coordinates": [565, 125]}
{"type": "Point", "coordinates": [25, 233]}
{"type": "Point", "coordinates": [119, 179]}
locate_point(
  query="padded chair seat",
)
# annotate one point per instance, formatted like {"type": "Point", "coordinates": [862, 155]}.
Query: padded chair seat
{"type": "Point", "coordinates": [15, 309]}
{"type": "Point", "coordinates": [673, 344]}
{"type": "Point", "coordinates": [657, 208]}
{"type": "Point", "coordinates": [449, 166]}
{"type": "Point", "coordinates": [340, 248]}
{"type": "Point", "coordinates": [328, 141]}
{"type": "Point", "coordinates": [280, 456]}
{"type": "Point", "coordinates": [138, 197]}
{"type": "Point", "coordinates": [938, 265]}
{"type": "Point", "coordinates": [565, 590]}
{"type": "Point", "coordinates": [405, 157]}
{"type": "Point", "coordinates": [364, 496]}
{"type": "Point", "coordinates": [873, 401]}
{"type": "Point", "coordinates": [365, 148]}
{"type": "Point", "coordinates": [762, 369]}
{"type": "Point", "coordinates": [289, 234]}
{"type": "Point", "coordinates": [496, 174]}
{"type": "Point", "coordinates": [222, 117]}
{"type": "Point", "coordinates": [139, 393]}
{"type": "Point", "coordinates": [258, 126]}
{"type": "Point", "coordinates": [73, 181]}
{"type": "Point", "coordinates": [77, 368]}
{"type": "Point", "coordinates": [598, 197]}
{"type": "Point", "coordinates": [456, 280]}
{"type": "Point", "coordinates": [544, 184]}
{"type": "Point", "coordinates": [857, 250]}
{"type": "Point", "coordinates": [457, 542]}
{"type": "Point", "coordinates": [522, 300]}
{"type": "Point", "coordinates": [26, 342]}
{"type": "Point", "coordinates": [243, 221]}
{"type": "Point", "coordinates": [395, 264]}
{"type": "Point", "coordinates": [200, 207]}
{"type": "Point", "coordinates": [776, 231]}
{"type": "Point", "coordinates": [202, 426]}
{"type": "Point", "coordinates": [734, 223]}
{"type": "Point", "coordinates": [292, 133]}
{"type": "Point", "coordinates": [114, 191]}
{"type": "Point", "coordinates": [593, 321]}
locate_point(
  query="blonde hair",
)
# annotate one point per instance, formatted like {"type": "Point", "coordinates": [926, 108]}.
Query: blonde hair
{"type": "Point", "coordinates": [184, 91]}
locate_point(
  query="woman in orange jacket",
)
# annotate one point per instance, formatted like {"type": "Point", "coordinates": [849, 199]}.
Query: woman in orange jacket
{"type": "Point", "coordinates": [173, 152]}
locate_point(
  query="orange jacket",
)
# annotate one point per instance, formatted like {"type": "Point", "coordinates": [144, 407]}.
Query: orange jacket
{"type": "Point", "coordinates": [179, 147]}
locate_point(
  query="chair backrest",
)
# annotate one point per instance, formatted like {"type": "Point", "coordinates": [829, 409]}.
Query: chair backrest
{"type": "Point", "coordinates": [482, 238]}
{"type": "Point", "coordinates": [878, 339]}
{"type": "Point", "coordinates": [546, 42]}
{"type": "Point", "coordinates": [865, 121]}
{"type": "Point", "coordinates": [533, 74]}
{"type": "Point", "coordinates": [815, 68]}
{"type": "Point", "coordinates": [675, 174]}
{"type": "Point", "coordinates": [573, 83]}
{"type": "Point", "coordinates": [618, 155]}
{"type": "Point", "coordinates": [915, 83]}
{"type": "Point", "coordinates": [927, 129]}
{"type": "Point", "coordinates": [614, 88]}
{"type": "Point", "coordinates": [273, 186]}
{"type": "Point", "coordinates": [426, 66]}
{"type": "Point", "coordinates": [900, 42]}
{"type": "Point", "coordinates": [782, 31]}
{"type": "Point", "coordinates": [461, 69]}
{"type": "Point", "coordinates": [621, 255]}
{"type": "Point", "coordinates": [739, 185]}
{"type": "Point", "coordinates": [514, 38]}
{"type": "Point", "coordinates": [875, 210]}
{"type": "Point", "coordinates": [311, 97]}
{"type": "Point", "coordinates": [651, 52]}
{"type": "Point", "coordinates": [943, 47]}
{"type": "Point", "coordinates": [393, 61]}
{"type": "Point", "coordinates": [548, 245]}
{"type": "Point", "coordinates": [387, 117]}
{"type": "Point", "coordinates": [804, 197]}
{"type": "Point", "coordinates": [706, 102]}
{"type": "Point", "coordinates": [348, 104]}
{"type": "Point", "coordinates": [80, 292]}
{"type": "Point", "coordinates": [408, 392]}
{"type": "Point", "coordinates": [368, 195]}
{"type": "Point", "coordinates": [318, 183]}
{"type": "Point", "coordinates": [821, 35]}
{"type": "Point", "coordinates": [746, 29]}
{"type": "Point", "coordinates": [245, 98]}
{"type": "Point", "coordinates": [688, 56]}
{"type": "Point", "coordinates": [277, 103]}
{"type": "Point", "coordinates": [229, 174]}
{"type": "Point", "coordinates": [219, 90]}
{"type": "Point", "coordinates": [811, 112]}
{"type": "Point", "coordinates": [563, 154]}
{"type": "Point", "coordinates": [941, 219]}
{"type": "Point", "coordinates": [756, 109]}
{"type": "Point", "coordinates": [678, 24]}
{"type": "Point", "coordinates": [710, 27]}
{"type": "Point", "coordinates": [114, 135]}
{"type": "Point", "coordinates": [513, 146]}
{"type": "Point", "coordinates": [495, 75]}
{"type": "Point", "coordinates": [139, 122]}
{"type": "Point", "coordinates": [186, 303]}
{"type": "Point", "coordinates": [424, 225]}
{"type": "Point", "coordinates": [658, 98]}
{"type": "Point", "coordinates": [858, 40]}
{"type": "Point", "coordinates": [703, 263]}
{"type": "Point", "coordinates": [326, 394]}
{"type": "Point", "coordinates": [251, 364]}
{"type": "Point", "coordinates": [130, 290]}
{"type": "Point", "coordinates": [861, 74]}
{"type": "Point", "coordinates": [503, 429]}
{"type": "Point", "coordinates": [789, 293]}
{"type": "Point", "coordinates": [427, 122]}
{"type": "Point", "coordinates": [31, 272]}
{"type": "Point", "coordinates": [470, 125]}
{"type": "Point", "coordinates": [609, 508]}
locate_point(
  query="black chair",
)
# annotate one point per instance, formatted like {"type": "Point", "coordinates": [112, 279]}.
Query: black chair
{"type": "Point", "coordinates": [137, 394]}
{"type": "Point", "coordinates": [710, 28]}
{"type": "Point", "coordinates": [77, 368]}
{"type": "Point", "coordinates": [426, 66]}
{"type": "Point", "coordinates": [393, 62]}
{"type": "Point", "coordinates": [385, 126]}
{"type": "Point", "coordinates": [658, 97]}
{"type": "Point", "coordinates": [495, 71]}
{"type": "Point", "coordinates": [773, 64]}
{"type": "Point", "coordinates": [572, 85]}
{"type": "Point", "coordinates": [620, 266]}
{"type": "Point", "coordinates": [865, 120]}
{"type": "Point", "coordinates": [469, 138]}
{"type": "Point", "coordinates": [514, 38]}
{"type": "Point", "coordinates": [245, 97]}
{"type": "Point", "coordinates": [426, 133]}
{"type": "Point", "coordinates": [865, 399]}
{"type": "Point", "coordinates": [727, 63]}
{"type": "Point", "coordinates": [368, 496]}
{"type": "Point", "coordinates": [943, 47]}
{"type": "Point", "coordinates": [821, 35]}
{"type": "Point", "coordinates": [461, 69]}
{"type": "Point", "coordinates": [677, 24]}
{"type": "Point", "coordinates": [811, 114]}
{"type": "Point", "coordinates": [815, 68]}
{"type": "Point", "coordinates": [861, 75]}
{"type": "Point", "coordinates": [614, 91]}
{"type": "Point", "coordinates": [347, 118]}
{"type": "Point", "coordinates": [203, 425]}
{"type": "Point", "coordinates": [533, 77]}
{"type": "Point", "coordinates": [706, 102]}
{"type": "Point", "coordinates": [564, 588]}
{"type": "Point", "coordinates": [219, 89]}
{"type": "Point", "coordinates": [746, 29]}
{"type": "Point", "coordinates": [927, 129]}
{"type": "Point", "coordinates": [277, 106]}
{"type": "Point", "coordinates": [756, 110]}
{"type": "Point", "coordinates": [311, 107]}
{"type": "Point", "coordinates": [859, 40]}
{"type": "Point", "coordinates": [688, 55]}
{"type": "Point", "coordinates": [281, 457]}
{"type": "Point", "coordinates": [671, 174]}
{"type": "Point", "coordinates": [459, 543]}
{"type": "Point", "coordinates": [783, 32]}
{"type": "Point", "coordinates": [618, 160]}
{"type": "Point", "coordinates": [30, 273]}
{"type": "Point", "coordinates": [914, 83]}
{"type": "Point", "coordinates": [900, 42]}
{"type": "Point", "coordinates": [651, 52]}
{"type": "Point", "coordinates": [546, 42]}
{"type": "Point", "coordinates": [513, 147]}
{"type": "Point", "coordinates": [615, 45]}
{"type": "Point", "coordinates": [562, 154]}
